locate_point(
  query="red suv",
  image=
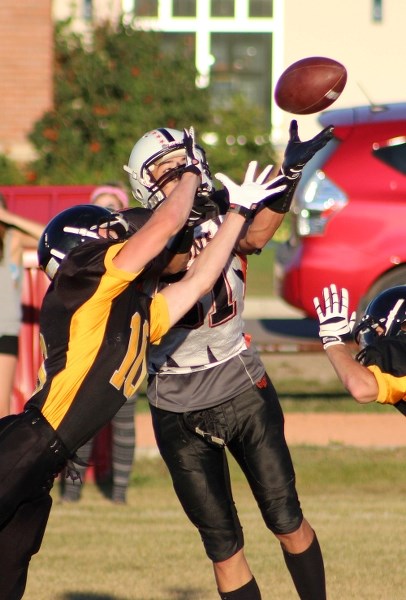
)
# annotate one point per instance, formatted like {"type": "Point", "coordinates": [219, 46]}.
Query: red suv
{"type": "Point", "coordinates": [349, 211]}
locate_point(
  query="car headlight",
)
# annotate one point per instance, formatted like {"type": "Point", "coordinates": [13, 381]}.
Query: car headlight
{"type": "Point", "coordinates": [316, 202]}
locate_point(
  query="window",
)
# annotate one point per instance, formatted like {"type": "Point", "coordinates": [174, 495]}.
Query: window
{"type": "Point", "coordinates": [146, 8]}
{"type": "Point", "coordinates": [377, 13]}
{"type": "Point", "coordinates": [261, 8]}
{"type": "Point", "coordinates": [184, 8]}
{"type": "Point", "coordinates": [222, 8]}
{"type": "Point", "coordinates": [179, 43]}
{"type": "Point", "coordinates": [87, 10]}
{"type": "Point", "coordinates": [242, 66]}
{"type": "Point", "coordinates": [393, 153]}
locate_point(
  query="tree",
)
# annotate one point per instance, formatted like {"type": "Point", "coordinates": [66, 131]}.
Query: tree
{"type": "Point", "coordinates": [108, 92]}
{"type": "Point", "coordinates": [237, 135]}
{"type": "Point", "coordinates": [10, 173]}
{"type": "Point", "coordinates": [118, 83]}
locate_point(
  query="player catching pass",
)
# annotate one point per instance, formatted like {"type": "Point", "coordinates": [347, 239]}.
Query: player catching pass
{"type": "Point", "coordinates": [208, 388]}
{"type": "Point", "coordinates": [95, 328]}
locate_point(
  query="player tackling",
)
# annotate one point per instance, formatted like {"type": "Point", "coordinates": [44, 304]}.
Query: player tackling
{"type": "Point", "coordinates": [95, 328]}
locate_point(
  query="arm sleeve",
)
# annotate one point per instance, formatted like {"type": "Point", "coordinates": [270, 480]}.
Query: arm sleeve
{"type": "Point", "coordinates": [159, 318]}
{"type": "Point", "coordinates": [112, 269]}
{"type": "Point", "coordinates": [391, 389]}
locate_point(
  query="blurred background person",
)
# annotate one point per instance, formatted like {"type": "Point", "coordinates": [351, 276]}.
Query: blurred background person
{"type": "Point", "coordinates": [16, 235]}
{"type": "Point", "coordinates": [114, 197]}
{"type": "Point", "coordinates": [111, 195]}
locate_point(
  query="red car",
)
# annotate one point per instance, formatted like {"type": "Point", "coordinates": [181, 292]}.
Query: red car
{"type": "Point", "coordinates": [349, 212]}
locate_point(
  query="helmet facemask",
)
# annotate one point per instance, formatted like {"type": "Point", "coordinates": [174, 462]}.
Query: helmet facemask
{"type": "Point", "coordinates": [160, 145]}
{"type": "Point", "coordinates": [115, 226]}
{"type": "Point", "coordinates": [157, 185]}
{"type": "Point", "coordinates": [366, 332]}
{"type": "Point", "coordinates": [384, 316]}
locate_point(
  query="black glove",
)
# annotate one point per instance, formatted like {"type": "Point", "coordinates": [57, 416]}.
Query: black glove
{"type": "Point", "coordinates": [297, 154]}
{"type": "Point", "coordinates": [192, 164]}
{"type": "Point", "coordinates": [203, 209]}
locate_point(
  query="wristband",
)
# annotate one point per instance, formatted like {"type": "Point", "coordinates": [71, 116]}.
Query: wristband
{"type": "Point", "coordinates": [332, 340]}
{"type": "Point", "coordinates": [282, 203]}
{"type": "Point", "coordinates": [241, 210]}
{"type": "Point", "coordinates": [192, 169]}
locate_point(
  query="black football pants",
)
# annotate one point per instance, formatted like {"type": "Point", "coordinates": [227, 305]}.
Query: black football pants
{"type": "Point", "coordinates": [31, 455]}
{"type": "Point", "coordinates": [251, 426]}
{"type": "Point", "coordinates": [20, 539]}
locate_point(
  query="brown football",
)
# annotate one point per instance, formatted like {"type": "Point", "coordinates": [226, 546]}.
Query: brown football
{"type": "Point", "coordinates": [310, 85]}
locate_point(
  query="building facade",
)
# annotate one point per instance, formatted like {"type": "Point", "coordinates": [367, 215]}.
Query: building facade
{"type": "Point", "coordinates": [244, 45]}
{"type": "Point", "coordinates": [26, 47]}
{"type": "Point", "coordinates": [239, 47]}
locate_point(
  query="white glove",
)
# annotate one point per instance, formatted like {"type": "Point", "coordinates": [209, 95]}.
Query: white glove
{"type": "Point", "coordinates": [334, 321]}
{"type": "Point", "coordinates": [252, 191]}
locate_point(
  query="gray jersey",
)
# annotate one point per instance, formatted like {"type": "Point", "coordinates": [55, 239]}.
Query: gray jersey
{"type": "Point", "coordinates": [204, 360]}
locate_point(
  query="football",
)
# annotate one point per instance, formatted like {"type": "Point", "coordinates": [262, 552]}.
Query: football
{"type": "Point", "coordinates": [310, 85]}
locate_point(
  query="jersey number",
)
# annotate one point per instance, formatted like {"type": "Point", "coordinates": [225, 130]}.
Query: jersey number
{"type": "Point", "coordinates": [223, 307]}
{"type": "Point", "coordinates": [133, 366]}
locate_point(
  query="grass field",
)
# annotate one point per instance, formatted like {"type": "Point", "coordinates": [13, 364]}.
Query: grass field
{"type": "Point", "coordinates": [149, 551]}
{"type": "Point", "coordinates": [260, 274]}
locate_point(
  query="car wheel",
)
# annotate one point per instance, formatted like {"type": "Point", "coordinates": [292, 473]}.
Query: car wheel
{"type": "Point", "coordinates": [392, 278]}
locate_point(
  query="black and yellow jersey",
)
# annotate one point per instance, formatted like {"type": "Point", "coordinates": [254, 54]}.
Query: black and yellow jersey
{"type": "Point", "coordinates": [386, 359]}
{"type": "Point", "coordinates": [95, 327]}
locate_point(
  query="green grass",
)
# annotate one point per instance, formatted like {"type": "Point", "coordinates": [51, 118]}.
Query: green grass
{"type": "Point", "coordinates": [148, 550]}
{"type": "Point", "coordinates": [260, 273]}
{"type": "Point", "coordinates": [306, 382]}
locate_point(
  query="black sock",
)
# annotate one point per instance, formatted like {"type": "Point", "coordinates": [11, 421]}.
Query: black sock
{"type": "Point", "coordinates": [307, 572]}
{"type": "Point", "coordinates": [249, 591]}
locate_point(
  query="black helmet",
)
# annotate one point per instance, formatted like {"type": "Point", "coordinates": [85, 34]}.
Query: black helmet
{"type": "Point", "coordinates": [387, 310]}
{"type": "Point", "coordinates": [75, 226]}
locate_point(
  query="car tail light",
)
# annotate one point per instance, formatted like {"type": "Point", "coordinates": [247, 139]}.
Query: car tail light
{"type": "Point", "coordinates": [316, 202]}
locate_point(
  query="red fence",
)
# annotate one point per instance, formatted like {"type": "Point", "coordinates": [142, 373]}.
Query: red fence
{"type": "Point", "coordinates": [41, 204]}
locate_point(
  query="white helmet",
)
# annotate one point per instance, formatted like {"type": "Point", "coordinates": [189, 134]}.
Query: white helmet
{"type": "Point", "coordinates": [148, 152]}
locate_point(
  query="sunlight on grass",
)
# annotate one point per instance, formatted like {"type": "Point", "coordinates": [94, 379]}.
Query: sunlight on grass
{"type": "Point", "coordinates": [148, 550]}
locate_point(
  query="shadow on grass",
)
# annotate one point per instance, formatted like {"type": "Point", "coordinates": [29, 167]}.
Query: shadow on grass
{"type": "Point", "coordinates": [304, 396]}
{"type": "Point", "coordinates": [171, 594]}
{"type": "Point", "coordinates": [88, 596]}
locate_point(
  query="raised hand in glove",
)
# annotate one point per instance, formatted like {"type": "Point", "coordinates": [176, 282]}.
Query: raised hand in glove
{"type": "Point", "coordinates": [196, 160]}
{"type": "Point", "coordinates": [298, 153]}
{"type": "Point", "coordinates": [333, 318]}
{"type": "Point", "coordinates": [244, 198]}
{"type": "Point", "coordinates": [192, 164]}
